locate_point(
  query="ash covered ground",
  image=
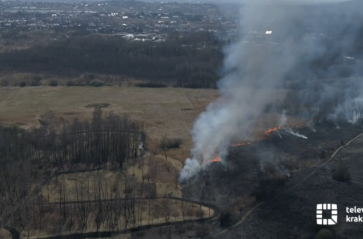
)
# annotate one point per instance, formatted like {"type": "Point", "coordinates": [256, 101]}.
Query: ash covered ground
{"type": "Point", "coordinates": [289, 205]}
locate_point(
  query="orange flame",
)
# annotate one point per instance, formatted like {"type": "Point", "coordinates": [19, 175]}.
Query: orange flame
{"type": "Point", "coordinates": [215, 160]}
{"type": "Point", "coordinates": [267, 132]}
{"type": "Point", "coordinates": [241, 144]}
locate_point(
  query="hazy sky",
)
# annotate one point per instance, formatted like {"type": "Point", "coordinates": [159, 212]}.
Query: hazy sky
{"type": "Point", "coordinates": [252, 1]}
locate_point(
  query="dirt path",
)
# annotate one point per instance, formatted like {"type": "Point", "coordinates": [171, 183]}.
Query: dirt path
{"type": "Point", "coordinates": [287, 191]}
{"type": "Point", "coordinates": [102, 234]}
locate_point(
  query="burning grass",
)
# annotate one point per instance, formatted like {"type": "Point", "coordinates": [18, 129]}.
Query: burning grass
{"type": "Point", "coordinates": [215, 160]}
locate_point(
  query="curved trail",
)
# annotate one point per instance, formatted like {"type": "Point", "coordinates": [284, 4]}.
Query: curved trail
{"type": "Point", "coordinates": [16, 235]}
{"type": "Point", "coordinates": [287, 191]}
{"type": "Point", "coordinates": [102, 234]}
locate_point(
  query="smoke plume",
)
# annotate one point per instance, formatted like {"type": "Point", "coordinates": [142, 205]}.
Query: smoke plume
{"type": "Point", "coordinates": [313, 53]}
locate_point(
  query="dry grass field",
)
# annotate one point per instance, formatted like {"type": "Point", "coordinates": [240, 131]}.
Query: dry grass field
{"type": "Point", "coordinates": [164, 112]}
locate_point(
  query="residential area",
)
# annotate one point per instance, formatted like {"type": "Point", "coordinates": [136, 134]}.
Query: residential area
{"type": "Point", "coordinates": [131, 20]}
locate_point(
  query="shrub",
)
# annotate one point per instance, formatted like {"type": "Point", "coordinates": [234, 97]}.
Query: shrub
{"type": "Point", "coordinates": [151, 85]}
{"type": "Point", "coordinates": [324, 234]}
{"type": "Point", "coordinates": [172, 143]}
{"type": "Point", "coordinates": [340, 172]}
{"type": "Point", "coordinates": [53, 83]}
{"type": "Point", "coordinates": [36, 78]}
{"type": "Point", "coordinates": [70, 83]}
{"type": "Point", "coordinates": [96, 83]}
{"type": "Point", "coordinates": [22, 84]}
{"type": "Point", "coordinates": [4, 83]}
{"type": "Point", "coordinates": [90, 76]}
{"type": "Point", "coordinates": [34, 83]}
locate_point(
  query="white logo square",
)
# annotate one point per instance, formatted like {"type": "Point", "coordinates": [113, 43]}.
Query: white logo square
{"type": "Point", "coordinates": [333, 208]}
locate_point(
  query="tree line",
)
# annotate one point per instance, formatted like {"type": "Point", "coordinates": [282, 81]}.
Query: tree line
{"type": "Point", "coordinates": [191, 60]}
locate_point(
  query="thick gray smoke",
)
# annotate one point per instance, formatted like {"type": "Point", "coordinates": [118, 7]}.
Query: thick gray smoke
{"type": "Point", "coordinates": [309, 48]}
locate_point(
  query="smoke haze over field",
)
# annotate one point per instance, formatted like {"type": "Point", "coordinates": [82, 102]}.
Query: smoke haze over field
{"type": "Point", "coordinates": [307, 52]}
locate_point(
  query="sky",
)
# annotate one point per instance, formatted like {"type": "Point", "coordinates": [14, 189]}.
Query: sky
{"type": "Point", "coordinates": [240, 1]}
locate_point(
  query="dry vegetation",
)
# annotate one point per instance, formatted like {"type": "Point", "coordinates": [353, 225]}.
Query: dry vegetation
{"type": "Point", "coordinates": [93, 193]}
{"type": "Point", "coordinates": [162, 111]}
{"type": "Point", "coordinates": [166, 112]}
{"type": "Point", "coordinates": [67, 219]}
{"type": "Point", "coordinates": [152, 177]}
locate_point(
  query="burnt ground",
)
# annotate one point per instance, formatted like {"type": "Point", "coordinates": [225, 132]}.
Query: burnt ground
{"type": "Point", "coordinates": [292, 214]}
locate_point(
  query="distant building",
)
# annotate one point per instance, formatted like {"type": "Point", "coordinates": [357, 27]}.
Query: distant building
{"type": "Point", "coordinates": [348, 60]}
{"type": "Point", "coordinates": [129, 36]}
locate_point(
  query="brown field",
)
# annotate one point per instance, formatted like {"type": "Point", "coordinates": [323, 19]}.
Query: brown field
{"type": "Point", "coordinates": [168, 111]}
{"type": "Point", "coordinates": [163, 111]}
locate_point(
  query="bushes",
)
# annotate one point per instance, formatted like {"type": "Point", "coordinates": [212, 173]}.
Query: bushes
{"type": "Point", "coordinates": [53, 83]}
{"type": "Point", "coordinates": [35, 81]}
{"type": "Point", "coordinates": [96, 83]}
{"type": "Point", "coordinates": [151, 85]}
{"type": "Point", "coordinates": [4, 83]}
{"type": "Point", "coordinates": [172, 143]}
{"type": "Point", "coordinates": [21, 80]}
{"type": "Point", "coordinates": [22, 84]}
{"type": "Point", "coordinates": [70, 83]}
{"type": "Point", "coordinates": [340, 172]}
